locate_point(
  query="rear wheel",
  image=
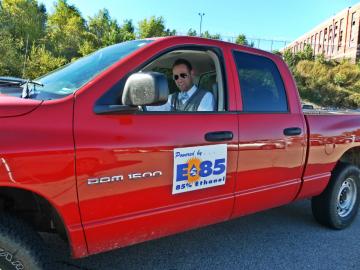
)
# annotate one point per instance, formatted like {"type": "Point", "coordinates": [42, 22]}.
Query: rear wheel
{"type": "Point", "coordinates": [338, 205]}
{"type": "Point", "coordinates": [20, 246]}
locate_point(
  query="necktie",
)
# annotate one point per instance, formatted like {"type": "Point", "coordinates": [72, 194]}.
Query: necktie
{"type": "Point", "coordinates": [183, 96]}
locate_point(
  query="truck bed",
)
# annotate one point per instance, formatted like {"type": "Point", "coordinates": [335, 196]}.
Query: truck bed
{"type": "Point", "coordinates": [330, 136]}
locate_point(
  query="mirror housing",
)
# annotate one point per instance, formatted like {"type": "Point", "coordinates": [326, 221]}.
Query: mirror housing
{"type": "Point", "coordinates": [145, 88]}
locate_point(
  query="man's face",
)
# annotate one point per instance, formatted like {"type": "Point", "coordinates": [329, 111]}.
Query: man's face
{"type": "Point", "coordinates": [182, 77]}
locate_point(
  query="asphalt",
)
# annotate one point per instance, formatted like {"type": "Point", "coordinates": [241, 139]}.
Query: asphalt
{"type": "Point", "coordinates": [283, 238]}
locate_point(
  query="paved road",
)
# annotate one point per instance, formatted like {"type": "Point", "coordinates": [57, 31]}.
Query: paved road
{"type": "Point", "coordinates": [281, 238]}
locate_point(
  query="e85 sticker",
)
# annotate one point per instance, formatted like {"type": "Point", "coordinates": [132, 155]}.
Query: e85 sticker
{"type": "Point", "coordinates": [199, 167]}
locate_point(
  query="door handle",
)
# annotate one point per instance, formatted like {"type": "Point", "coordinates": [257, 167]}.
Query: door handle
{"type": "Point", "coordinates": [219, 136]}
{"type": "Point", "coordinates": [292, 131]}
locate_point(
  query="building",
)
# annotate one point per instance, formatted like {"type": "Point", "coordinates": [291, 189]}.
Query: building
{"type": "Point", "coordinates": [336, 38]}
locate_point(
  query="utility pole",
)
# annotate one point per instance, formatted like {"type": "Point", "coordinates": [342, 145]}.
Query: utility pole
{"type": "Point", "coordinates": [201, 16]}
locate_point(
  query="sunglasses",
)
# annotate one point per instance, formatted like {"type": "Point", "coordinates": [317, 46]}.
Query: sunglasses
{"type": "Point", "coordinates": [182, 75]}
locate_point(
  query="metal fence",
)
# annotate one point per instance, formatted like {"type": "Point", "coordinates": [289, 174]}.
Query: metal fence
{"type": "Point", "coordinates": [262, 43]}
{"type": "Point", "coordinates": [266, 44]}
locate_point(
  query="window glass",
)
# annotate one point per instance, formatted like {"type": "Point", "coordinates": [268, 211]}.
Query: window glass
{"type": "Point", "coordinates": [203, 76]}
{"type": "Point", "coordinates": [67, 79]}
{"type": "Point", "coordinates": [262, 88]}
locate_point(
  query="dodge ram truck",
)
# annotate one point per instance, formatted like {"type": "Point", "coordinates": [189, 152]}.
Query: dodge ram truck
{"type": "Point", "coordinates": [81, 156]}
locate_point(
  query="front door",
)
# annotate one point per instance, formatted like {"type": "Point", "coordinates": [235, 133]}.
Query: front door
{"type": "Point", "coordinates": [126, 165]}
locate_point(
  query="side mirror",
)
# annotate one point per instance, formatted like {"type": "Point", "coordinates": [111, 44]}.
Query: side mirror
{"type": "Point", "coordinates": [145, 88]}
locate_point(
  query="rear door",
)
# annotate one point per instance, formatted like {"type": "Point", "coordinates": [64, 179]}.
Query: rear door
{"type": "Point", "coordinates": [271, 131]}
{"type": "Point", "coordinates": [126, 165]}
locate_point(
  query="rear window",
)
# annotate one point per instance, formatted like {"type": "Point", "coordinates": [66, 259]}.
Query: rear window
{"type": "Point", "coordinates": [262, 88]}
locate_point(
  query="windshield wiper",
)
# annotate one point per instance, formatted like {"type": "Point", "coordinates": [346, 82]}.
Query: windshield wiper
{"type": "Point", "coordinates": [26, 92]}
{"type": "Point", "coordinates": [19, 82]}
{"type": "Point", "coordinates": [11, 81]}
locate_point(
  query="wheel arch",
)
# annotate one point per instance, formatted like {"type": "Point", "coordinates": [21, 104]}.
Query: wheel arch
{"type": "Point", "coordinates": [351, 156]}
{"type": "Point", "coordinates": [34, 209]}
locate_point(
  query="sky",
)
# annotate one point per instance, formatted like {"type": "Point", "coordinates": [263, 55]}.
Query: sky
{"type": "Point", "coordinates": [259, 20]}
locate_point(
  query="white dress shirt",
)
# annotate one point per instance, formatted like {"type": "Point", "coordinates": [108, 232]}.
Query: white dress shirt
{"type": "Point", "coordinates": [206, 104]}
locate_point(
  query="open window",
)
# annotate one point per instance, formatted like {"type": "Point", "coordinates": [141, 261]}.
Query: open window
{"type": "Point", "coordinates": [207, 72]}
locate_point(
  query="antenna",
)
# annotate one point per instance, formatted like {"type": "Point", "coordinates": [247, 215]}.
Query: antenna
{"type": "Point", "coordinates": [26, 51]}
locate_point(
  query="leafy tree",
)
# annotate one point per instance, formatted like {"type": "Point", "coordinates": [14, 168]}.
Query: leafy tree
{"type": "Point", "coordinates": [345, 74]}
{"type": "Point", "coordinates": [153, 27]}
{"type": "Point", "coordinates": [292, 59]}
{"type": "Point", "coordinates": [321, 58]}
{"type": "Point", "coordinates": [128, 26]}
{"type": "Point", "coordinates": [11, 60]}
{"type": "Point", "coordinates": [22, 23]}
{"type": "Point", "coordinates": [127, 30]}
{"type": "Point", "coordinates": [24, 19]}
{"type": "Point", "coordinates": [106, 30]}
{"type": "Point", "coordinates": [66, 30]}
{"type": "Point", "coordinates": [307, 53]}
{"type": "Point", "coordinates": [169, 32]}
{"type": "Point", "coordinates": [103, 31]}
{"type": "Point", "coordinates": [41, 62]}
{"type": "Point", "coordinates": [192, 32]}
{"type": "Point", "coordinates": [89, 44]}
{"type": "Point", "coordinates": [277, 52]}
{"type": "Point", "coordinates": [242, 40]}
{"type": "Point", "coordinates": [206, 34]}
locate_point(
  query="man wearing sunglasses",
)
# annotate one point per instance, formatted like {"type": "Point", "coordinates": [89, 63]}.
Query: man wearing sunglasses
{"type": "Point", "coordinates": [190, 98]}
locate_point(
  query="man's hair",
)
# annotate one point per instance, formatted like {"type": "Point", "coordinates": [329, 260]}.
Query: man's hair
{"type": "Point", "coordinates": [182, 61]}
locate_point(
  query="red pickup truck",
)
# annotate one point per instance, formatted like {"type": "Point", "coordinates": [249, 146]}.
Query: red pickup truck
{"type": "Point", "coordinates": [82, 157]}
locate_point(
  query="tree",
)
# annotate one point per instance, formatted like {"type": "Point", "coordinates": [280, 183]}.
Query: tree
{"type": "Point", "coordinates": [41, 62]}
{"type": "Point", "coordinates": [11, 59]}
{"type": "Point", "coordinates": [206, 34]}
{"type": "Point", "coordinates": [22, 23]}
{"type": "Point", "coordinates": [128, 26]}
{"type": "Point", "coordinates": [127, 30]}
{"type": "Point", "coordinates": [101, 31]}
{"type": "Point", "coordinates": [290, 58]}
{"type": "Point", "coordinates": [106, 30]}
{"type": "Point", "coordinates": [192, 32]}
{"type": "Point", "coordinates": [307, 53]}
{"type": "Point", "coordinates": [66, 30]}
{"type": "Point", "coordinates": [24, 20]}
{"type": "Point", "coordinates": [89, 44]}
{"type": "Point", "coordinates": [345, 74]}
{"type": "Point", "coordinates": [277, 52]}
{"type": "Point", "coordinates": [169, 32]}
{"type": "Point", "coordinates": [153, 27]}
{"type": "Point", "coordinates": [242, 40]}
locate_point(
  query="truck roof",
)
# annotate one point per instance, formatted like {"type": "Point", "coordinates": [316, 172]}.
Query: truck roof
{"type": "Point", "coordinates": [194, 39]}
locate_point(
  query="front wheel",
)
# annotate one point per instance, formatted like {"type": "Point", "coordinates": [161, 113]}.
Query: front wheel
{"type": "Point", "coordinates": [338, 205]}
{"type": "Point", "coordinates": [21, 247]}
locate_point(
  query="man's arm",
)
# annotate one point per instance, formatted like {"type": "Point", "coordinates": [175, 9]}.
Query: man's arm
{"type": "Point", "coordinates": [161, 108]}
{"type": "Point", "coordinates": [207, 103]}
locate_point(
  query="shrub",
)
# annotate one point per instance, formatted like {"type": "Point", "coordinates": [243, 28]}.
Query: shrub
{"type": "Point", "coordinates": [345, 74]}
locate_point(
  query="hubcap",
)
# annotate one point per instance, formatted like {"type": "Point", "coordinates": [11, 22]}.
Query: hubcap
{"type": "Point", "coordinates": [346, 197]}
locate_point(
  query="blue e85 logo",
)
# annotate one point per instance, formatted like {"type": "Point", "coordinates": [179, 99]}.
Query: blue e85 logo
{"type": "Point", "coordinates": [207, 168]}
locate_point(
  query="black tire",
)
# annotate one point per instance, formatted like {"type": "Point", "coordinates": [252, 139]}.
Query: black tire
{"type": "Point", "coordinates": [338, 205]}
{"type": "Point", "coordinates": [20, 246]}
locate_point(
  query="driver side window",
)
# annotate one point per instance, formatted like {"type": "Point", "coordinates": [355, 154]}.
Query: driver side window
{"type": "Point", "coordinates": [194, 72]}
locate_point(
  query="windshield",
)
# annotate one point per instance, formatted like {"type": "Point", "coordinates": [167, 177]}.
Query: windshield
{"type": "Point", "coordinates": [68, 79]}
